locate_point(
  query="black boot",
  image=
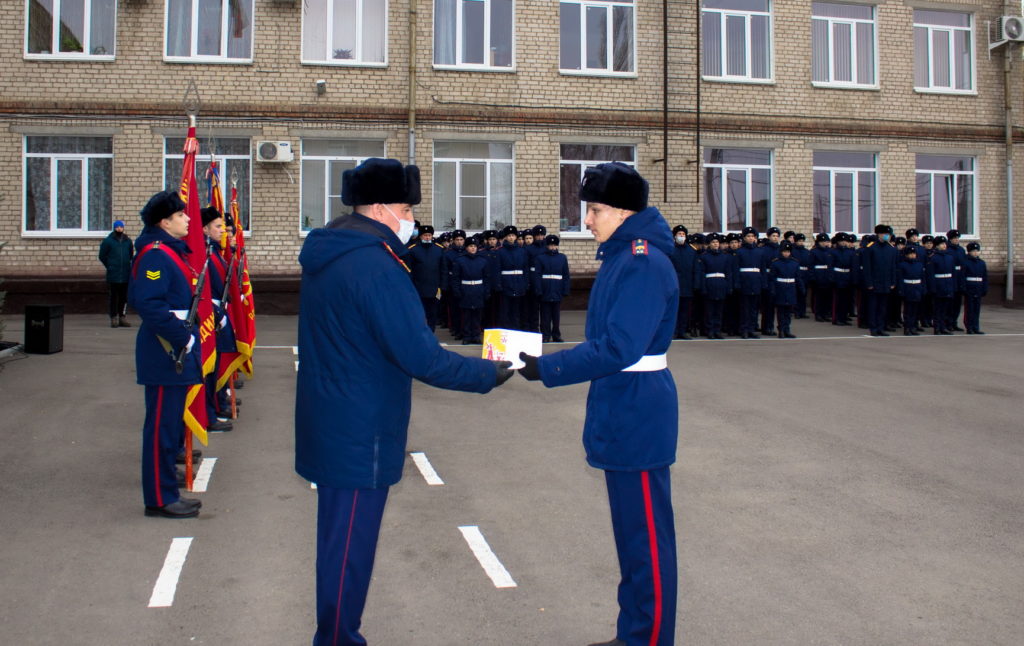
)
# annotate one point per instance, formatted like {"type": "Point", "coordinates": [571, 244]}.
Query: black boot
{"type": "Point", "coordinates": [614, 642]}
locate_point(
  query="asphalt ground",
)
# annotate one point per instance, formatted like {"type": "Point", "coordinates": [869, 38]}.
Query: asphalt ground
{"type": "Point", "coordinates": [840, 490]}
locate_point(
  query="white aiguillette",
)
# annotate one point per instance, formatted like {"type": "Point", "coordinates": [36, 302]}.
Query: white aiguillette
{"type": "Point", "coordinates": [505, 345]}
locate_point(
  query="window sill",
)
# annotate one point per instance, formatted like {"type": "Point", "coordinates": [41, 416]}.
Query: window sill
{"type": "Point", "coordinates": [65, 234]}
{"type": "Point", "coordinates": [345, 63]}
{"type": "Point", "coordinates": [475, 68]}
{"type": "Point", "coordinates": [926, 90]}
{"type": "Point", "coordinates": [842, 86]}
{"type": "Point", "coordinates": [575, 235]}
{"type": "Point", "coordinates": [599, 74]}
{"type": "Point", "coordinates": [208, 60]}
{"type": "Point", "coordinates": [70, 58]}
{"type": "Point", "coordinates": [737, 80]}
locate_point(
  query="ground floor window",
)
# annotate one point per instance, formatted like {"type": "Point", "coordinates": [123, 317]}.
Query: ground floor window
{"type": "Point", "coordinates": [473, 185]}
{"type": "Point", "coordinates": [68, 184]}
{"type": "Point", "coordinates": [575, 159]}
{"type": "Point", "coordinates": [323, 162]}
{"type": "Point", "coordinates": [737, 189]}
{"type": "Point", "coordinates": [234, 158]}
{"type": "Point", "coordinates": [946, 190]}
{"type": "Point", "coordinates": [845, 192]}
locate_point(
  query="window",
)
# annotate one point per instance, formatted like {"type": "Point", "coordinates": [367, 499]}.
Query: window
{"type": "Point", "coordinates": [473, 33]}
{"type": "Point", "coordinates": [233, 155]}
{"type": "Point", "coordinates": [737, 189]}
{"type": "Point", "coordinates": [344, 31]}
{"type": "Point", "coordinates": [68, 185]}
{"type": "Point", "coordinates": [323, 162]}
{"type": "Point", "coordinates": [472, 185]}
{"type": "Point", "coordinates": [737, 40]}
{"type": "Point", "coordinates": [71, 29]}
{"type": "Point", "coordinates": [843, 44]}
{"type": "Point", "coordinates": [845, 192]}
{"type": "Point", "coordinates": [209, 30]}
{"type": "Point", "coordinates": [946, 194]}
{"type": "Point", "coordinates": [943, 51]}
{"type": "Point", "coordinates": [597, 36]}
{"type": "Point", "coordinates": [575, 159]}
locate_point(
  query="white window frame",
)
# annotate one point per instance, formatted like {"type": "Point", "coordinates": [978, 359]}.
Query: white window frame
{"type": "Point", "coordinates": [221, 58]}
{"type": "Point", "coordinates": [487, 187]}
{"type": "Point", "coordinates": [852, 23]}
{"type": "Point", "coordinates": [202, 160]}
{"type": "Point", "coordinates": [327, 159]}
{"type": "Point", "coordinates": [931, 88]}
{"type": "Point", "coordinates": [55, 53]}
{"type": "Point", "coordinates": [855, 171]}
{"type": "Point", "coordinates": [749, 205]}
{"type": "Point", "coordinates": [478, 67]}
{"type": "Point", "coordinates": [353, 62]}
{"type": "Point", "coordinates": [585, 233]}
{"type": "Point", "coordinates": [609, 40]}
{"type": "Point", "coordinates": [53, 232]}
{"type": "Point", "coordinates": [723, 52]}
{"type": "Point", "coordinates": [973, 174]}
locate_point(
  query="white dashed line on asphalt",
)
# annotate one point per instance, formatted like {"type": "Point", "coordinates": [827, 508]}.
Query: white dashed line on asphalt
{"type": "Point", "coordinates": [167, 582]}
{"type": "Point", "coordinates": [296, 366]}
{"type": "Point", "coordinates": [202, 479]}
{"type": "Point", "coordinates": [426, 469]}
{"type": "Point", "coordinates": [488, 561]}
{"type": "Point", "coordinates": [312, 485]}
{"type": "Point", "coordinates": [295, 350]}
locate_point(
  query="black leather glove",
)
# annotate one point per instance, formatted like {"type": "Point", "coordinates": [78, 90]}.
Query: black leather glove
{"type": "Point", "coordinates": [504, 372]}
{"type": "Point", "coordinates": [531, 370]}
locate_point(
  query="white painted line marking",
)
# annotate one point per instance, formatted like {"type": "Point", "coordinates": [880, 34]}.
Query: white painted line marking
{"type": "Point", "coordinates": [892, 335]}
{"type": "Point", "coordinates": [274, 347]}
{"type": "Point", "coordinates": [295, 350]}
{"type": "Point", "coordinates": [167, 582]}
{"type": "Point", "coordinates": [312, 485]}
{"type": "Point", "coordinates": [296, 366]}
{"type": "Point", "coordinates": [488, 561]}
{"type": "Point", "coordinates": [426, 469]}
{"type": "Point", "coordinates": [202, 479]}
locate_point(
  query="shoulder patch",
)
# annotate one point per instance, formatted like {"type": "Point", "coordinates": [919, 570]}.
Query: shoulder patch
{"type": "Point", "coordinates": [153, 275]}
{"type": "Point", "coordinates": [639, 247]}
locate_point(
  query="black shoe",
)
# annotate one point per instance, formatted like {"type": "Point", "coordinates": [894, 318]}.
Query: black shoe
{"type": "Point", "coordinates": [957, 328]}
{"type": "Point", "coordinates": [113, 321]}
{"type": "Point", "coordinates": [919, 329]}
{"type": "Point", "coordinates": [969, 331]}
{"type": "Point", "coordinates": [192, 502]}
{"type": "Point", "coordinates": [946, 332]}
{"type": "Point", "coordinates": [177, 509]}
{"type": "Point", "coordinates": [936, 331]}
{"type": "Point", "coordinates": [884, 333]}
{"type": "Point", "coordinates": [977, 331]}
{"type": "Point", "coordinates": [220, 427]}
{"type": "Point", "coordinates": [907, 332]}
{"type": "Point", "coordinates": [467, 342]}
{"type": "Point", "coordinates": [558, 339]}
{"type": "Point", "coordinates": [614, 642]}
{"type": "Point", "coordinates": [196, 455]}
{"type": "Point", "coordinates": [782, 335]}
{"type": "Point", "coordinates": [754, 335]}
{"type": "Point", "coordinates": [789, 335]}
{"type": "Point", "coordinates": [123, 322]}
{"type": "Point", "coordinates": [845, 323]}
{"type": "Point", "coordinates": [239, 384]}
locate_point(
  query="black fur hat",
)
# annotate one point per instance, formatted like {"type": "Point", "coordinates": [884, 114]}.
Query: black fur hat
{"type": "Point", "coordinates": [883, 228]}
{"type": "Point", "coordinates": [162, 205]}
{"type": "Point", "coordinates": [426, 228]}
{"type": "Point", "coordinates": [553, 239]}
{"type": "Point", "coordinates": [616, 185]}
{"type": "Point", "coordinates": [209, 214]}
{"type": "Point", "coordinates": [679, 228]}
{"type": "Point", "coordinates": [380, 181]}
{"type": "Point", "coordinates": [540, 231]}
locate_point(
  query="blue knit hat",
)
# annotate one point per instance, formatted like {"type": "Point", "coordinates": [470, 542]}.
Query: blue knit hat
{"type": "Point", "coordinates": [117, 223]}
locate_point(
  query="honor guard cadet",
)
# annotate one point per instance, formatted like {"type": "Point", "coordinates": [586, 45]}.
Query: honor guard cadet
{"type": "Point", "coordinates": [513, 264]}
{"type": "Point", "coordinates": [959, 255]}
{"type": "Point", "coordinates": [844, 279]}
{"type": "Point", "coordinates": [116, 253]}
{"type": "Point", "coordinates": [684, 259]}
{"type": "Point", "coordinates": [429, 276]}
{"type": "Point", "coordinates": [975, 286]}
{"type": "Point", "coordinates": [217, 406]}
{"type": "Point", "coordinates": [531, 318]}
{"type": "Point", "coordinates": [879, 264]}
{"type": "Point", "coordinates": [910, 283]}
{"type": "Point", "coordinates": [750, 282]}
{"type": "Point", "coordinates": [821, 277]}
{"type": "Point", "coordinates": [632, 408]}
{"type": "Point", "coordinates": [771, 250]}
{"type": "Point", "coordinates": [696, 322]}
{"type": "Point", "coordinates": [716, 279]}
{"type": "Point", "coordinates": [471, 280]}
{"type": "Point", "coordinates": [551, 284]}
{"type": "Point", "coordinates": [941, 276]}
{"type": "Point", "coordinates": [363, 339]}
{"type": "Point", "coordinates": [160, 290]}
{"type": "Point", "coordinates": [786, 282]}
{"type": "Point", "coordinates": [453, 314]}
{"type": "Point", "coordinates": [490, 251]}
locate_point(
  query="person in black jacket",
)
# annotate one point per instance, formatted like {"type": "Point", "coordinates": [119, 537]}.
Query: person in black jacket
{"type": "Point", "coordinates": [879, 265]}
{"type": "Point", "coordinates": [116, 253]}
{"type": "Point", "coordinates": [551, 285]}
{"type": "Point", "coordinates": [471, 282]}
{"type": "Point", "coordinates": [428, 272]}
{"type": "Point", "coordinates": [975, 286]}
{"type": "Point", "coordinates": [684, 259]}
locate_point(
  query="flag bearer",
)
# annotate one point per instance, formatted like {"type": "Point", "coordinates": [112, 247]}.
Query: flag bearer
{"type": "Point", "coordinates": [975, 287]}
{"type": "Point", "coordinates": [551, 284]}
{"type": "Point", "coordinates": [217, 406]}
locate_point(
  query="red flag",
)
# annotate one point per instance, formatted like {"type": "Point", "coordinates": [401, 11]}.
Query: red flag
{"type": "Point", "coordinates": [241, 308]}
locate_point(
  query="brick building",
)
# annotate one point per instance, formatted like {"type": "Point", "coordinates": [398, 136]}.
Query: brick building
{"type": "Point", "coordinates": [805, 115]}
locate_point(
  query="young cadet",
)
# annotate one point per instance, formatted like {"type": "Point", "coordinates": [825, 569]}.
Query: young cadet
{"type": "Point", "coordinates": [696, 318]}
{"type": "Point", "coordinates": [471, 280]}
{"type": "Point", "coordinates": [959, 255]}
{"type": "Point", "coordinates": [750, 282]}
{"type": "Point", "coordinates": [879, 263]}
{"type": "Point", "coordinates": [894, 318]}
{"type": "Point", "coordinates": [630, 321]}
{"type": "Point", "coordinates": [803, 256]}
{"type": "Point", "coordinates": [456, 249]}
{"type": "Point", "coordinates": [925, 256]}
{"type": "Point", "coordinates": [490, 251]}
{"type": "Point", "coordinates": [975, 287]}
{"type": "Point", "coordinates": [217, 407]}
{"type": "Point", "coordinates": [863, 302]}
{"type": "Point", "coordinates": [551, 284]}
{"type": "Point", "coordinates": [910, 277]}
{"type": "Point", "coordinates": [731, 313]}
{"type": "Point", "coordinates": [786, 282]}
{"type": "Point", "coordinates": [426, 262]}
{"type": "Point", "coordinates": [821, 277]}
{"type": "Point", "coordinates": [684, 259]}
{"type": "Point", "coordinates": [716, 276]}
{"type": "Point", "coordinates": [514, 268]}
{"type": "Point", "coordinates": [941, 275]}
{"type": "Point", "coordinates": [532, 312]}
{"type": "Point", "coordinates": [771, 251]}
{"type": "Point", "coordinates": [844, 279]}
{"type": "Point", "coordinates": [160, 290]}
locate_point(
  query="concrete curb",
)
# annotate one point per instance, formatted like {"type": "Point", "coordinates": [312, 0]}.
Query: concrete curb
{"type": "Point", "coordinates": [11, 350]}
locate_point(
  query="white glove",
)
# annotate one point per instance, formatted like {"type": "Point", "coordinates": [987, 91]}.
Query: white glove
{"type": "Point", "coordinates": [223, 322]}
{"type": "Point", "coordinates": [191, 342]}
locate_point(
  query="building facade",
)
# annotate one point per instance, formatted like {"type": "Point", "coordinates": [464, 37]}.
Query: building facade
{"type": "Point", "coordinates": [811, 116]}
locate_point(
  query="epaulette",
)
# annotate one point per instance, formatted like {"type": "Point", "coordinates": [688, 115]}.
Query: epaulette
{"type": "Point", "coordinates": [639, 247]}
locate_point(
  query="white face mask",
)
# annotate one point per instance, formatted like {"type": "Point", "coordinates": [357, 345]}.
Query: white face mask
{"type": "Point", "coordinates": [681, 239]}
{"type": "Point", "coordinates": [405, 227]}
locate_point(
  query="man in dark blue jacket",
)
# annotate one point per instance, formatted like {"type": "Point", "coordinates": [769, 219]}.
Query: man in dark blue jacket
{"type": "Point", "coordinates": [362, 340]}
{"type": "Point", "coordinates": [786, 282]}
{"type": "Point", "coordinates": [771, 252]}
{"type": "Point", "coordinates": [941, 274]}
{"type": "Point", "coordinates": [975, 285]}
{"type": "Point", "coordinates": [452, 313]}
{"type": "Point", "coordinates": [513, 263]}
{"type": "Point", "coordinates": [217, 407]}
{"type": "Point", "coordinates": [470, 282]}
{"type": "Point", "coordinates": [750, 281]}
{"type": "Point", "coordinates": [160, 290]}
{"type": "Point", "coordinates": [531, 311]}
{"type": "Point", "coordinates": [716, 280]}
{"type": "Point", "coordinates": [959, 255]}
{"type": "Point", "coordinates": [551, 284]}
{"type": "Point", "coordinates": [632, 408]}
{"type": "Point", "coordinates": [684, 259]}
{"type": "Point", "coordinates": [429, 275]}
{"type": "Point", "coordinates": [821, 277]}
{"type": "Point", "coordinates": [879, 267]}
{"type": "Point", "coordinates": [116, 253]}
{"type": "Point", "coordinates": [844, 279]}
{"type": "Point", "coordinates": [803, 256]}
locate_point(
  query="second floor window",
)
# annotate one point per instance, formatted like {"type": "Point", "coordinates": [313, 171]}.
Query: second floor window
{"type": "Point", "coordinates": [845, 192]}
{"type": "Point", "coordinates": [943, 51]}
{"type": "Point", "coordinates": [344, 31]}
{"type": "Point", "coordinates": [596, 37]}
{"type": "Point", "coordinates": [737, 40]}
{"type": "Point", "coordinates": [475, 34]}
{"type": "Point", "coordinates": [472, 185]}
{"type": "Point", "coordinates": [843, 44]}
{"type": "Point", "coordinates": [737, 189]}
{"type": "Point", "coordinates": [71, 28]}
{"type": "Point", "coordinates": [209, 30]}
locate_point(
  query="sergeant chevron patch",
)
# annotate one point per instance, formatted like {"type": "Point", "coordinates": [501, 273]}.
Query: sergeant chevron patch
{"type": "Point", "coordinates": [153, 275]}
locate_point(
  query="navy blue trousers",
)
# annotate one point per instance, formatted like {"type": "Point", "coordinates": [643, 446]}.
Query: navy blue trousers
{"type": "Point", "coordinates": [878, 310]}
{"type": "Point", "coordinates": [713, 315]}
{"type": "Point", "coordinates": [645, 538]}
{"type": "Point", "coordinates": [683, 315]}
{"type": "Point", "coordinates": [348, 523]}
{"type": "Point", "coordinates": [551, 319]}
{"type": "Point", "coordinates": [910, 309]}
{"type": "Point", "coordinates": [749, 304]}
{"type": "Point", "coordinates": [217, 404]}
{"type": "Point", "coordinates": [162, 434]}
{"type": "Point", "coordinates": [510, 310]}
{"type": "Point", "coordinates": [972, 312]}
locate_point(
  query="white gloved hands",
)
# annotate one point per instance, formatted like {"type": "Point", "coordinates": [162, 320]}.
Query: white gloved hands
{"type": "Point", "coordinates": [191, 342]}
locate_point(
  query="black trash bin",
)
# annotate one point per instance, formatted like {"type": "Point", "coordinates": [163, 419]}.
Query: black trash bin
{"type": "Point", "coordinates": [44, 329]}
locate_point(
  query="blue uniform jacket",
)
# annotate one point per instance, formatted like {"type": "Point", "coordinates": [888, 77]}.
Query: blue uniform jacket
{"type": "Point", "coordinates": [551, 276]}
{"type": "Point", "coordinates": [878, 262]}
{"type": "Point", "coordinates": [975, 274]}
{"type": "Point", "coordinates": [162, 295]}
{"type": "Point", "coordinates": [513, 263]}
{"type": "Point", "coordinates": [533, 251]}
{"type": "Point", "coordinates": [116, 253]}
{"type": "Point", "coordinates": [632, 417]}
{"type": "Point", "coordinates": [912, 283]}
{"type": "Point", "coordinates": [803, 256]}
{"type": "Point", "coordinates": [684, 259]}
{"type": "Point", "coordinates": [751, 278]}
{"type": "Point", "coordinates": [362, 340]}
{"type": "Point", "coordinates": [716, 274]}
{"type": "Point", "coordinates": [471, 280]}
{"type": "Point", "coordinates": [428, 268]}
{"type": "Point", "coordinates": [785, 279]}
{"type": "Point", "coordinates": [225, 333]}
{"type": "Point", "coordinates": [821, 265]}
{"type": "Point", "coordinates": [844, 267]}
{"type": "Point", "coordinates": [494, 265]}
{"type": "Point", "coordinates": [941, 274]}
{"type": "Point", "coordinates": [959, 256]}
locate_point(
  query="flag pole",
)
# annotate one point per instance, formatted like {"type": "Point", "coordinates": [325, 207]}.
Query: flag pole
{"type": "Point", "coordinates": [191, 104]}
{"type": "Point", "coordinates": [231, 379]}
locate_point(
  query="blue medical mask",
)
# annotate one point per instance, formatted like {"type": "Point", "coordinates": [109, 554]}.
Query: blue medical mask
{"type": "Point", "coordinates": [885, 237]}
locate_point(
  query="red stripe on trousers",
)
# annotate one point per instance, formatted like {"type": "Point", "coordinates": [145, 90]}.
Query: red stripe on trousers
{"type": "Point", "coordinates": [156, 445]}
{"type": "Point", "coordinates": [344, 562]}
{"type": "Point", "coordinates": [652, 538]}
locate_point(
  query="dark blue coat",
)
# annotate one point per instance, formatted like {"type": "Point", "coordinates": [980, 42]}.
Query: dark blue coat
{"type": "Point", "coordinates": [632, 417]}
{"type": "Point", "coordinates": [362, 340]}
{"type": "Point", "coordinates": [513, 263]}
{"type": "Point", "coordinates": [941, 274]}
{"type": "Point", "coordinates": [116, 253]}
{"type": "Point", "coordinates": [844, 267]}
{"type": "Point", "coordinates": [471, 280]}
{"type": "Point", "coordinates": [770, 251]}
{"type": "Point", "coordinates": [803, 256]}
{"type": "Point", "coordinates": [912, 283]}
{"type": "Point", "coordinates": [717, 274]}
{"type": "Point", "coordinates": [551, 276]}
{"type": "Point", "coordinates": [533, 251]}
{"type": "Point", "coordinates": [684, 259]}
{"type": "Point", "coordinates": [975, 274]}
{"type": "Point", "coordinates": [959, 255]}
{"type": "Point", "coordinates": [752, 266]}
{"type": "Point", "coordinates": [428, 269]}
{"type": "Point", "coordinates": [218, 266]}
{"type": "Point", "coordinates": [495, 266]}
{"type": "Point", "coordinates": [162, 295]}
{"type": "Point", "coordinates": [785, 280]}
{"type": "Point", "coordinates": [878, 263]}
{"type": "Point", "coordinates": [821, 265]}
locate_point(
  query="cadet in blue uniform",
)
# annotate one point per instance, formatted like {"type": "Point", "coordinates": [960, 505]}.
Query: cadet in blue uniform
{"type": "Point", "coordinates": [684, 259]}
{"type": "Point", "coordinates": [770, 249]}
{"type": "Point", "coordinates": [821, 277]}
{"type": "Point", "coordinates": [911, 285]}
{"type": "Point", "coordinates": [697, 324]}
{"type": "Point", "coordinates": [731, 311]}
{"type": "Point", "coordinates": [786, 282]}
{"type": "Point", "coordinates": [531, 318]}
{"type": "Point", "coordinates": [513, 264]}
{"type": "Point", "coordinates": [803, 256]}
{"type": "Point", "coordinates": [551, 284]}
{"type": "Point", "coordinates": [471, 280]}
{"type": "Point", "coordinates": [879, 263]}
{"type": "Point", "coordinates": [160, 290]}
{"type": "Point", "coordinates": [363, 339]}
{"type": "Point", "coordinates": [750, 282]}
{"type": "Point", "coordinates": [975, 287]}
{"type": "Point", "coordinates": [217, 406]}
{"type": "Point", "coordinates": [490, 251]}
{"type": "Point", "coordinates": [959, 255]}
{"type": "Point", "coordinates": [844, 279]}
{"type": "Point", "coordinates": [429, 275]}
{"type": "Point", "coordinates": [116, 253]}
{"type": "Point", "coordinates": [716, 280]}
{"type": "Point", "coordinates": [632, 408]}
{"type": "Point", "coordinates": [941, 274]}
{"type": "Point", "coordinates": [454, 250]}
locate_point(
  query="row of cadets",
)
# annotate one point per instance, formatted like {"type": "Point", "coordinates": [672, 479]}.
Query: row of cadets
{"type": "Point", "coordinates": [218, 409]}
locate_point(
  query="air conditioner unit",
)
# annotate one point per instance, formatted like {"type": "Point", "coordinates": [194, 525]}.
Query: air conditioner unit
{"type": "Point", "coordinates": [1011, 28]}
{"type": "Point", "coordinates": [274, 151]}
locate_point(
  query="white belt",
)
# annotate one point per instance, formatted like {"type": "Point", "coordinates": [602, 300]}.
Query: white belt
{"type": "Point", "coordinates": [512, 272]}
{"type": "Point", "coordinates": [912, 281]}
{"type": "Point", "coordinates": [472, 282]}
{"type": "Point", "coordinates": [802, 268]}
{"type": "Point", "coordinates": [216, 301]}
{"type": "Point", "coordinates": [821, 266]}
{"type": "Point", "coordinates": [751, 269]}
{"type": "Point", "coordinates": [181, 314]}
{"type": "Point", "coordinates": [943, 275]}
{"type": "Point", "coordinates": [841, 271]}
{"type": "Point", "coordinates": [649, 363]}
{"type": "Point", "coordinates": [786, 280]}
{"type": "Point", "coordinates": [957, 268]}
{"type": "Point", "coordinates": [552, 276]}
{"type": "Point", "coordinates": [975, 279]}
{"type": "Point", "coordinates": [717, 275]}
